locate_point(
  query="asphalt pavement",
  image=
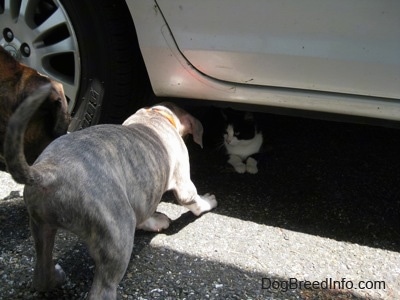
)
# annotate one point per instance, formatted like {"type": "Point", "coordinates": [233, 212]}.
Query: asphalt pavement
{"type": "Point", "coordinates": [319, 221]}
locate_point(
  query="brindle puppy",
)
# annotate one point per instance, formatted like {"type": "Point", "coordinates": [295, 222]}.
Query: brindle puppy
{"type": "Point", "coordinates": [17, 81]}
{"type": "Point", "coordinates": [102, 183]}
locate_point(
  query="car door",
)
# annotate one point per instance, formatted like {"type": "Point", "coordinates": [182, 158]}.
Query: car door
{"type": "Point", "coordinates": [346, 47]}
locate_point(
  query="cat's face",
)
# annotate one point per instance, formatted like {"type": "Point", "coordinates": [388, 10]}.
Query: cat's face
{"type": "Point", "coordinates": [229, 136]}
{"type": "Point", "coordinates": [239, 130]}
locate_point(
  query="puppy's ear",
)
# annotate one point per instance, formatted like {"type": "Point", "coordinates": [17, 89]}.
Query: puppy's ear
{"type": "Point", "coordinates": [188, 123]}
{"type": "Point", "coordinates": [194, 127]}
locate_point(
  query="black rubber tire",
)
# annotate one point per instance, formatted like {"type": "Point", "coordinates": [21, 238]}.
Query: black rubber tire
{"type": "Point", "coordinates": [114, 81]}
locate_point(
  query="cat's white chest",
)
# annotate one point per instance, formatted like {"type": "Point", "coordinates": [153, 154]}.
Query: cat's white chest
{"type": "Point", "coordinates": [245, 148]}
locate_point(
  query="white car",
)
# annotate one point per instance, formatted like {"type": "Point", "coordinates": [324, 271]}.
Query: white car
{"type": "Point", "coordinates": [340, 57]}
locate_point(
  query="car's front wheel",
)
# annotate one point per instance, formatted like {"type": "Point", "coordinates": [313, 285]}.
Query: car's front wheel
{"type": "Point", "coordinates": [89, 46]}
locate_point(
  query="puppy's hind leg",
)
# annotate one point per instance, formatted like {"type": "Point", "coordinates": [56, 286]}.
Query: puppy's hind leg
{"type": "Point", "coordinates": [46, 275]}
{"type": "Point", "coordinates": [110, 247]}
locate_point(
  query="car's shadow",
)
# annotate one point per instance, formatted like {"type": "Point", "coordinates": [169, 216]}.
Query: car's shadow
{"type": "Point", "coordinates": [327, 179]}
{"type": "Point", "coordinates": [337, 180]}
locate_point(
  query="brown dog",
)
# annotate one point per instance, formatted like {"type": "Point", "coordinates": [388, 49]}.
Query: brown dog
{"type": "Point", "coordinates": [17, 81]}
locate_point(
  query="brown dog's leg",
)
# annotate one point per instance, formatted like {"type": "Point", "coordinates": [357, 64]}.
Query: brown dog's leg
{"type": "Point", "coordinates": [46, 275]}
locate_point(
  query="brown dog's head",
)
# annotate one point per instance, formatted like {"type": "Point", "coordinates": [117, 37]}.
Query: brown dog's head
{"type": "Point", "coordinates": [52, 119]}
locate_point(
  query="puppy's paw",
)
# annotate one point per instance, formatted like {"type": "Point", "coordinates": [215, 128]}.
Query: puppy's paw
{"type": "Point", "coordinates": [47, 282]}
{"type": "Point", "coordinates": [202, 204]}
{"type": "Point", "coordinates": [212, 201]}
{"type": "Point", "coordinates": [59, 275]}
{"type": "Point", "coordinates": [155, 223]}
{"type": "Point", "coordinates": [251, 166]}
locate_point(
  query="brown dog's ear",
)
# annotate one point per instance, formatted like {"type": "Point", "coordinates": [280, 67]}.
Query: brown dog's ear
{"type": "Point", "coordinates": [59, 105]}
{"type": "Point", "coordinates": [192, 126]}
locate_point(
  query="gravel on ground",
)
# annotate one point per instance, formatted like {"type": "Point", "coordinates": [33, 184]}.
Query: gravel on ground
{"type": "Point", "coordinates": [301, 229]}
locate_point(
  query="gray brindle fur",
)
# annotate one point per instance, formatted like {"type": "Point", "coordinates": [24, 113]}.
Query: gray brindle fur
{"type": "Point", "coordinates": [102, 183]}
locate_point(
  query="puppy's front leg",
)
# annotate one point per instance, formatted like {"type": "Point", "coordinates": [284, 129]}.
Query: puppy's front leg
{"type": "Point", "coordinates": [186, 194]}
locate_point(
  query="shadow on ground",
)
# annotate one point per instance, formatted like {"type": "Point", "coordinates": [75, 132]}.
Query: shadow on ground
{"type": "Point", "coordinates": [327, 179]}
{"type": "Point", "coordinates": [330, 179]}
{"type": "Point", "coordinates": [161, 273]}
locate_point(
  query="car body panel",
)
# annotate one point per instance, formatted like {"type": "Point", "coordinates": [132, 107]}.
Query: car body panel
{"type": "Point", "coordinates": [341, 46]}
{"type": "Point", "coordinates": [309, 59]}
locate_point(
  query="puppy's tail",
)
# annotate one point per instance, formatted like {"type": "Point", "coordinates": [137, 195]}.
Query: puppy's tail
{"type": "Point", "coordinates": [14, 140]}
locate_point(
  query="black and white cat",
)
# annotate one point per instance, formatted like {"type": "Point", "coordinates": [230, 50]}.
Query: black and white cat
{"type": "Point", "coordinates": [241, 140]}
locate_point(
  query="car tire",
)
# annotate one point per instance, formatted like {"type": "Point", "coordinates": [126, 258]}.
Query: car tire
{"type": "Point", "coordinates": [114, 81]}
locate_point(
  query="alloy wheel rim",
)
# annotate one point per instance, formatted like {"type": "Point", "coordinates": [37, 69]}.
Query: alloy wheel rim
{"type": "Point", "coordinates": [40, 34]}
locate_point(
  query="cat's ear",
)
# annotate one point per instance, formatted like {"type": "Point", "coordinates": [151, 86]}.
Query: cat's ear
{"type": "Point", "coordinates": [229, 113]}
{"type": "Point", "coordinates": [248, 116]}
{"type": "Point", "coordinates": [223, 114]}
